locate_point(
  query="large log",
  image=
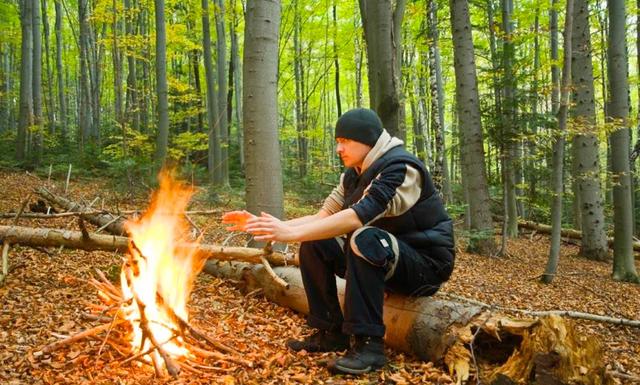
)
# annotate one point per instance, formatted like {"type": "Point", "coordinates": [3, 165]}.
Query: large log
{"type": "Point", "coordinates": [45, 237]}
{"type": "Point", "coordinates": [437, 330]}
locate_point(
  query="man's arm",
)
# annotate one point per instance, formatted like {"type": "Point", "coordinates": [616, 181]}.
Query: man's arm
{"type": "Point", "coordinates": [270, 228]}
{"type": "Point", "coordinates": [307, 218]}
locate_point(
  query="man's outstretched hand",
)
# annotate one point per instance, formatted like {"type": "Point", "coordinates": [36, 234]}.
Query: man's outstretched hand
{"type": "Point", "coordinates": [237, 220]}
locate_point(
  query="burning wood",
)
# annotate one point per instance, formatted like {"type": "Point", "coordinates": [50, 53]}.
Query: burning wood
{"type": "Point", "coordinates": [148, 311]}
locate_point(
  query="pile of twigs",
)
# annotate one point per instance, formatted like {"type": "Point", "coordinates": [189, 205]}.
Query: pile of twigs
{"type": "Point", "coordinates": [207, 354]}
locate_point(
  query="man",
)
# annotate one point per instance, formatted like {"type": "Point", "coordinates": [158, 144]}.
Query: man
{"type": "Point", "coordinates": [383, 228]}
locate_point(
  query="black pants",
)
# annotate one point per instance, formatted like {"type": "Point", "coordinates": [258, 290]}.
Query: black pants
{"type": "Point", "coordinates": [371, 261]}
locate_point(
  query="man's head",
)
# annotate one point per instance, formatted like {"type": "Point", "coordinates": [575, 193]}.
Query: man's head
{"type": "Point", "coordinates": [357, 131]}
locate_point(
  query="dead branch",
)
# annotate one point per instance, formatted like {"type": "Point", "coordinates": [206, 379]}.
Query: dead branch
{"type": "Point", "coordinates": [46, 237]}
{"type": "Point", "coordinates": [538, 313]}
{"type": "Point", "coordinates": [77, 337]}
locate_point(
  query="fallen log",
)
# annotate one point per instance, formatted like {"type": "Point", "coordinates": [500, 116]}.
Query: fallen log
{"type": "Point", "coordinates": [463, 335]}
{"type": "Point", "coordinates": [114, 224]}
{"type": "Point", "coordinates": [46, 237]}
{"type": "Point", "coordinates": [566, 233]}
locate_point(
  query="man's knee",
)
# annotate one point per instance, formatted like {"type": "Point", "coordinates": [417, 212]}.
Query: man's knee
{"type": "Point", "coordinates": [375, 246]}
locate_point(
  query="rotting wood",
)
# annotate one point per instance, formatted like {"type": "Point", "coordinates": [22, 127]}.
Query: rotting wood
{"type": "Point", "coordinates": [437, 329]}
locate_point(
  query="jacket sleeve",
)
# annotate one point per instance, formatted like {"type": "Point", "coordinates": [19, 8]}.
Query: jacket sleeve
{"type": "Point", "coordinates": [391, 193]}
{"type": "Point", "coordinates": [334, 202]}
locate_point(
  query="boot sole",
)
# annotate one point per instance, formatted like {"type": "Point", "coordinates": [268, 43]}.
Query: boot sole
{"type": "Point", "coordinates": [343, 369]}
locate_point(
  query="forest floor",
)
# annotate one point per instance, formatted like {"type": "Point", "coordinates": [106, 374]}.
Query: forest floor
{"type": "Point", "coordinates": [47, 293]}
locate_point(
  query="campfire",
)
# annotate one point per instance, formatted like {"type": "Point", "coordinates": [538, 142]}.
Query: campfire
{"type": "Point", "coordinates": [148, 319]}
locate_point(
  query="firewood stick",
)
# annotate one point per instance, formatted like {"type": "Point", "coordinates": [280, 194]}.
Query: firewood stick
{"type": "Point", "coordinates": [108, 223]}
{"type": "Point", "coordinates": [281, 282]}
{"type": "Point", "coordinates": [104, 212]}
{"type": "Point", "coordinates": [94, 317]}
{"type": "Point", "coordinates": [171, 366]}
{"type": "Point", "coordinates": [217, 355]}
{"type": "Point", "coordinates": [155, 358]}
{"type": "Point", "coordinates": [5, 261]}
{"type": "Point", "coordinates": [76, 337]}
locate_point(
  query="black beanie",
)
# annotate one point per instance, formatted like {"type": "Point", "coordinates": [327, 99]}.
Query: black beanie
{"type": "Point", "coordinates": [361, 124]}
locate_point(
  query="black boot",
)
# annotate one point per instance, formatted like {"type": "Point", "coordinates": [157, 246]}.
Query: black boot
{"type": "Point", "coordinates": [321, 341]}
{"type": "Point", "coordinates": [367, 354]}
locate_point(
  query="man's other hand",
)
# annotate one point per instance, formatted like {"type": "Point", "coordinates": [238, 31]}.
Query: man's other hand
{"type": "Point", "coordinates": [237, 220]}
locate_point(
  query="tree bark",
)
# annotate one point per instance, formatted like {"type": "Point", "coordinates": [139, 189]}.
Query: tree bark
{"type": "Point", "coordinates": [26, 84]}
{"type": "Point", "coordinates": [260, 119]}
{"type": "Point", "coordinates": [62, 105]}
{"type": "Point", "coordinates": [214, 154]}
{"type": "Point", "coordinates": [50, 102]}
{"type": "Point", "coordinates": [509, 121]}
{"type": "Point", "coordinates": [585, 143]}
{"type": "Point", "coordinates": [381, 22]}
{"type": "Point", "coordinates": [618, 111]}
{"type": "Point", "coordinates": [237, 82]}
{"type": "Point", "coordinates": [221, 69]}
{"type": "Point", "coordinates": [162, 138]}
{"type": "Point", "coordinates": [85, 104]}
{"type": "Point", "coordinates": [470, 127]}
{"type": "Point", "coordinates": [558, 146]}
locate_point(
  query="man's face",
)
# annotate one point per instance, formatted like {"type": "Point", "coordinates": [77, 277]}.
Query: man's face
{"type": "Point", "coordinates": [351, 152]}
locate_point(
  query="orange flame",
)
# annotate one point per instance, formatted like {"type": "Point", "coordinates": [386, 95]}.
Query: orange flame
{"type": "Point", "coordinates": [158, 277]}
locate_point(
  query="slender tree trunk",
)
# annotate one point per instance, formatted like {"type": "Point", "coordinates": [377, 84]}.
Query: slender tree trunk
{"type": "Point", "coordinates": [381, 21]}
{"type": "Point", "coordinates": [509, 122]}
{"type": "Point", "coordinates": [223, 128]}
{"type": "Point", "coordinates": [618, 111]}
{"type": "Point", "coordinates": [530, 171]}
{"type": "Point", "coordinates": [237, 81]}
{"type": "Point", "coordinates": [336, 63]}
{"type": "Point", "coordinates": [37, 82]}
{"type": "Point", "coordinates": [471, 138]}
{"type": "Point", "coordinates": [62, 103]}
{"type": "Point", "coordinates": [195, 63]}
{"type": "Point", "coordinates": [359, 63]}
{"type": "Point", "coordinates": [260, 119]}
{"type": "Point", "coordinates": [132, 106]}
{"type": "Point", "coordinates": [587, 170]}
{"type": "Point", "coordinates": [85, 103]}
{"type": "Point", "coordinates": [162, 139]}
{"type": "Point", "coordinates": [300, 88]}
{"type": "Point", "coordinates": [117, 69]}
{"type": "Point", "coordinates": [95, 72]}
{"type": "Point", "coordinates": [5, 64]}
{"type": "Point", "coordinates": [558, 146]}
{"type": "Point", "coordinates": [26, 74]}
{"type": "Point", "coordinates": [212, 102]}
{"type": "Point", "coordinates": [51, 107]}
{"type": "Point", "coordinates": [440, 177]}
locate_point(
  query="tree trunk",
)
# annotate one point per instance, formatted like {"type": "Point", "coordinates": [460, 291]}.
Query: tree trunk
{"type": "Point", "coordinates": [260, 119]}
{"type": "Point", "coordinates": [470, 127]}
{"type": "Point", "coordinates": [618, 111]}
{"type": "Point", "coordinates": [37, 83]}
{"type": "Point", "coordinates": [50, 99]}
{"type": "Point", "coordinates": [381, 24]}
{"type": "Point", "coordinates": [301, 97]}
{"type": "Point", "coordinates": [558, 147]}
{"type": "Point", "coordinates": [162, 139]}
{"type": "Point", "coordinates": [440, 178]}
{"type": "Point", "coordinates": [336, 63]}
{"type": "Point", "coordinates": [85, 104]}
{"type": "Point", "coordinates": [237, 82]}
{"type": "Point", "coordinates": [587, 170]}
{"type": "Point", "coordinates": [62, 103]}
{"type": "Point", "coordinates": [212, 100]}
{"type": "Point", "coordinates": [26, 74]}
{"type": "Point", "coordinates": [132, 108]}
{"type": "Point", "coordinates": [117, 69]}
{"type": "Point", "coordinates": [509, 121]}
{"type": "Point", "coordinates": [221, 68]}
